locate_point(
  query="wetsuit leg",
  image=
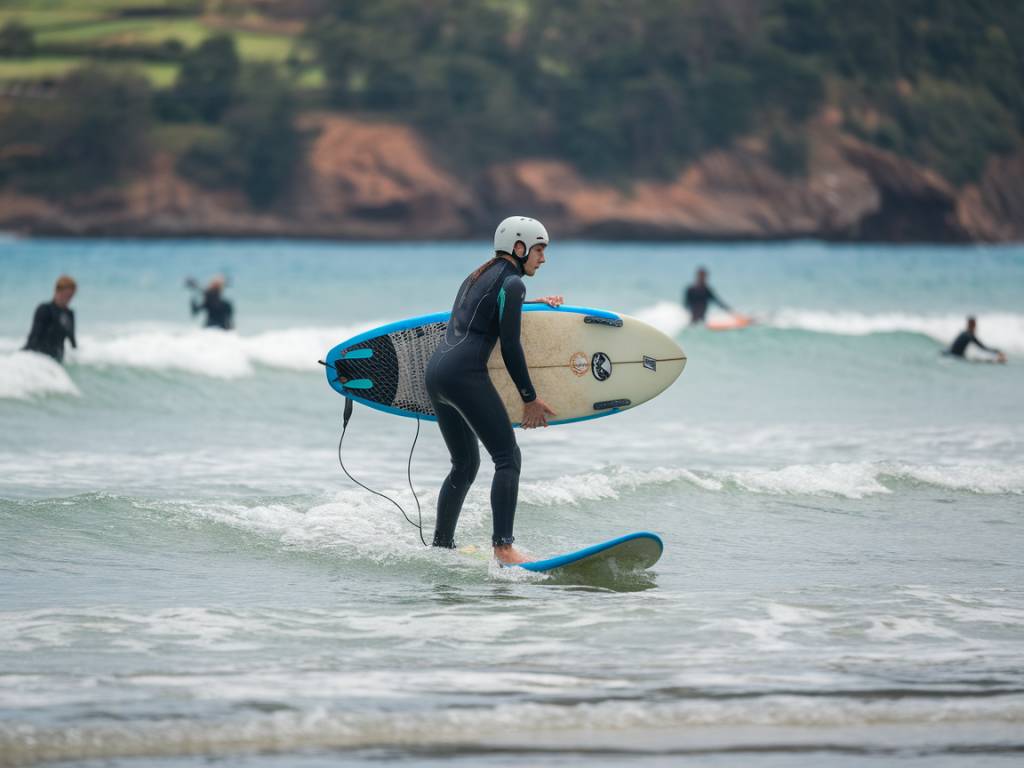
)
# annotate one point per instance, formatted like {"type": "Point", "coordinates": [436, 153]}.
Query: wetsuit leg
{"type": "Point", "coordinates": [481, 406]}
{"type": "Point", "coordinates": [465, 454]}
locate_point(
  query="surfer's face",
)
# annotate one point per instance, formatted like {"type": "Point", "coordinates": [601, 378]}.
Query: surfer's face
{"type": "Point", "coordinates": [534, 259]}
{"type": "Point", "coordinates": [63, 297]}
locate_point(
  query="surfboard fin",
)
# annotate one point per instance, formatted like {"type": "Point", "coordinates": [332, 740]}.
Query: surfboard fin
{"type": "Point", "coordinates": [358, 354]}
{"type": "Point", "coordinates": [358, 384]}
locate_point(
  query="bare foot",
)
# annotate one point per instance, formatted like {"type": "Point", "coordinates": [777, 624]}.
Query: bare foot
{"type": "Point", "coordinates": [509, 555]}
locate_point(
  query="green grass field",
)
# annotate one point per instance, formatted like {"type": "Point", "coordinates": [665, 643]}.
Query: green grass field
{"type": "Point", "coordinates": [101, 24]}
{"type": "Point", "coordinates": [159, 75]}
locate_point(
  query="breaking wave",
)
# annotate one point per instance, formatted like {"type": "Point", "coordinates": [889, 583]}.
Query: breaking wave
{"type": "Point", "coordinates": [203, 352]}
{"type": "Point", "coordinates": [25, 375]}
{"type": "Point", "coordinates": [1004, 330]}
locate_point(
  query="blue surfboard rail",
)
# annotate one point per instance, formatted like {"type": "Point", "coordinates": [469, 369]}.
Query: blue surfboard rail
{"type": "Point", "coordinates": [338, 352]}
{"type": "Point", "coordinates": [541, 566]}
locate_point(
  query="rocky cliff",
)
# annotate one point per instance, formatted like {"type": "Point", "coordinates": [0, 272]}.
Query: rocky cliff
{"type": "Point", "coordinates": [382, 181]}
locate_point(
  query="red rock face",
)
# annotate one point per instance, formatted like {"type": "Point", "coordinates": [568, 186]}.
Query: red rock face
{"type": "Point", "coordinates": [382, 181]}
{"type": "Point", "coordinates": [993, 209]}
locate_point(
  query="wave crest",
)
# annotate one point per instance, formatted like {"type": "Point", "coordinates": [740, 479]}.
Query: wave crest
{"type": "Point", "coordinates": [25, 375]}
{"type": "Point", "coordinates": [1004, 330]}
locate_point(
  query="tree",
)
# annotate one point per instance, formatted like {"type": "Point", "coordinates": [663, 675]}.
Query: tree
{"type": "Point", "coordinates": [259, 148]}
{"type": "Point", "coordinates": [92, 134]}
{"type": "Point", "coordinates": [208, 76]}
{"type": "Point", "coordinates": [16, 40]}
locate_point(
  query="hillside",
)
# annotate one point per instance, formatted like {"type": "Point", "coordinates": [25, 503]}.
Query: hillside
{"type": "Point", "coordinates": [756, 118]}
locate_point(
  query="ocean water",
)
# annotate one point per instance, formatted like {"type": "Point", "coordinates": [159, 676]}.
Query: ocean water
{"type": "Point", "coordinates": [186, 576]}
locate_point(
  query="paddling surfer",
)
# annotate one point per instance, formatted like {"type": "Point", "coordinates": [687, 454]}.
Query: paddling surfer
{"type": "Point", "coordinates": [488, 307]}
{"type": "Point", "coordinates": [967, 337]}
{"type": "Point", "coordinates": [699, 295]}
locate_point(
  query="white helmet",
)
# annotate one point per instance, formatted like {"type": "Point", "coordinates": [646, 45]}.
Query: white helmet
{"type": "Point", "coordinates": [516, 228]}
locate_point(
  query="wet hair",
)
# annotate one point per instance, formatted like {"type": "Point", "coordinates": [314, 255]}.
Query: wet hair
{"type": "Point", "coordinates": [971, 319]}
{"type": "Point", "coordinates": [487, 265]}
{"type": "Point", "coordinates": [65, 281]}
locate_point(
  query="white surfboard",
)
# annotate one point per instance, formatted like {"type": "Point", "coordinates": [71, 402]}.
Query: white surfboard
{"type": "Point", "coordinates": [584, 363]}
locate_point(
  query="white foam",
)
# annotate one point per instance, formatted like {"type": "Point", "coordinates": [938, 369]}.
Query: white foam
{"type": "Point", "coordinates": [1004, 330]}
{"type": "Point", "coordinates": [593, 486]}
{"type": "Point", "coordinates": [668, 317]}
{"type": "Point", "coordinates": [988, 479]}
{"type": "Point", "coordinates": [998, 329]}
{"type": "Point", "coordinates": [898, 628]}
{"type": "Point", "coordinates": [24, 375]}
{"type": "Point", "coordinates": [852, 480]}
{"type": "Point", "coordinates": [209, 352]}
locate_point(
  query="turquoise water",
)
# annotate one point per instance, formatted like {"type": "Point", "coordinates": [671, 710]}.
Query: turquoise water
{"type": "Point", "coordinates": [185, 574]}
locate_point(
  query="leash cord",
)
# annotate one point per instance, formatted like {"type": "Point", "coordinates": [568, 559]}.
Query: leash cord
{"type": "Point", "coordinates": [419, 511]}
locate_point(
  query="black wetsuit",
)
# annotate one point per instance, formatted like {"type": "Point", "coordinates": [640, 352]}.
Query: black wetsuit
{"type": "Point", "coordinates": [697, 298]}
{"type": "Point", "coordinates": [965, 339]}
{"type": "Point", "coordinates": [468, 406]}
{"type": "Point", "coordinates": [218, 311]}
{"type": "Point", "coordinates": [50, 326]}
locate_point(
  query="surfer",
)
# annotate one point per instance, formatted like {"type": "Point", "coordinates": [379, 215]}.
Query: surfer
{"type": "Point", "coordinates": [487, 307]}
{"type": "Point", "coordinates": [966, 338]}
{"type": "Point", "coordinates": [219, 312]}
{"type": "Point", "coordinates": [54, 322]}
{"type": "Point", "coordinates": [699, 295]}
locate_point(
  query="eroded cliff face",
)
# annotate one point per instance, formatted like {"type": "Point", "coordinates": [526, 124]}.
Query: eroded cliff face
{"type": "Point", "coordinates": [993, 209]}
{"type": "Point", "coordinates": [360, 180]}
{"type": "Point", "coordinates": [382, 181]}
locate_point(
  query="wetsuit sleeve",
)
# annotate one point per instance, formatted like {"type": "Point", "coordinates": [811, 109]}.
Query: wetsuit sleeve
{"type": "Point", "coordinates": [195, 306]}
{"type": "Point", "coordinates": [714, 297]}
{"type": "Point", "coordinates": [71, 331]}
{"type": "Point", "coordinates": [975, 340]}
{"type": "Point", "coordinates": [229, 316]}
{"type": "Point", "coordinates": [510, 315]}
{"type": "Point", "coordinates": [39, 322]}
{"type": "Point", "coordinates": [687, 298]}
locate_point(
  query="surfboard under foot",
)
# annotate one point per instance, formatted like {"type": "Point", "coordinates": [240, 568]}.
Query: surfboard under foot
{"type": "Point", "coordinates": [621, 556]}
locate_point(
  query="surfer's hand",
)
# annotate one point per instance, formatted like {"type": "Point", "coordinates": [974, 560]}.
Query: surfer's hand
{"type": "Point", "coordinates": [551, 301]}
{"type": "Point", "coordinates": [535, 414]}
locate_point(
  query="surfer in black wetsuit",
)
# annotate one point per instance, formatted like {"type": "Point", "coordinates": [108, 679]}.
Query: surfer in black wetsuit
{"type": "Point", "coordinates": [219, 312]}
{"type": "Point", "coordinates": [53, 322]}
{"type": "Point", "coordinates": [487, 307]}
{"type": "Point", "coordinates": [966, 338]}
{"type": "Point", "coordinates": [699, 295]}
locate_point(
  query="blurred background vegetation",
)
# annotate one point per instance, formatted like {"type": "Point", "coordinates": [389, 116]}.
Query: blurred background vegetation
{"type": "Point", "coordinates": [90, 89]}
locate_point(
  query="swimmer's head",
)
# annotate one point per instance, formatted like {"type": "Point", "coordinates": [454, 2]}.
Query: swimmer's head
{"type": "Point", "coordinates": [64, 290]}
{"type": "Point", "coordinates": [971, 323]}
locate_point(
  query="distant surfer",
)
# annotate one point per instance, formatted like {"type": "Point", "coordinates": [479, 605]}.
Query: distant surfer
{"type": "Point", "coordinates": [968, 337]}
{"type": "Point", "coordinates": [488, 307]}
{"type": "Point", "coordinates": [699, 295]}
{"type": "Point", "coordinates": [219, 312]}
{"type": "Point", "coordinates": [54, 322]}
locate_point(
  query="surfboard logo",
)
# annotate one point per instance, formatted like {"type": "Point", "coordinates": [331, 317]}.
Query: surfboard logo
{"type": "Point", "coordinates": [579, 364]}
{"type": "Point", "coordinates": [650, 363]}
{"type": "Point", "coordinates": [601, 366]}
